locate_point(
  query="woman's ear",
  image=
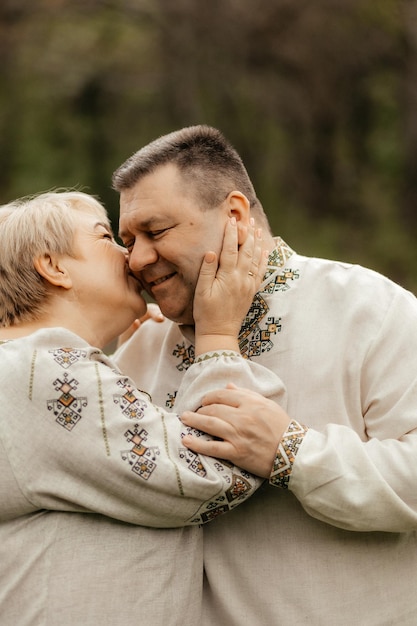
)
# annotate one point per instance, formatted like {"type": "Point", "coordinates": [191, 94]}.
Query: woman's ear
{"type": "Point", "coordinates": [53, 270]}
{"type": "Point", "coordinates": [239, 207]}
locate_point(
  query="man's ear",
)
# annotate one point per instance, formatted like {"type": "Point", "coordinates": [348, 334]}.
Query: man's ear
{"type": "Point", "coordinates": [53, 270]}
{"type": "Point", "coordinates": [239, 207]}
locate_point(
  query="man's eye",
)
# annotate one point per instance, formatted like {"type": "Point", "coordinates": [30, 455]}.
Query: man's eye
{"type": "Point", "coordinates": [156, 233]}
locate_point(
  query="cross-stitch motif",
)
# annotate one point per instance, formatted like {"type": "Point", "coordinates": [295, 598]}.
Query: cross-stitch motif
{"type": "Point", "coordinates": [67, 356]}
{"type": "Point", "coordinates": [187, 356]}
{"type": "Point", "coordinates": [193, 461]}
{"type": "Point", "coordinates": [67, 408]}
{"type": "Point", "coordinates": [211, 514]}
{"type": "Point", "coordinates": [258, 310]}
{"type": "Point", "coordinates": [280, 281]}
{"type": "Point", "coordinates": [254, 338]}
{"type": "Point", "coordinates": [237, 490]}
{"type": "Point", "coordinates": [171, 400]}
{"type": "Point", "coordinates": [239, 483]}
{"type": "Point", "coordinates": [239, 487]}
{"type": "Point", "coordinates": [281, 253]}
{"type": "Point", "coordinates": [131, 406]}
{"type": "Point", "coordinates": [286, 453]}
{"type": "Point", "coordinates": [260, 339]}
{"type": "Point", "coordinates": [191, 458]}
{"type": "Point", "coordinates": [141, 458]}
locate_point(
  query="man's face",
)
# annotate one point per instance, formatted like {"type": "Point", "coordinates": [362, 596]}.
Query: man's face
{"type": "Point", "coordinates": [167, 234]}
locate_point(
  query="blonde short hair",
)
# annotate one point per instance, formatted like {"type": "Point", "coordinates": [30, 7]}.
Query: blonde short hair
{"type": "Point", "coordinates": [29, 228]}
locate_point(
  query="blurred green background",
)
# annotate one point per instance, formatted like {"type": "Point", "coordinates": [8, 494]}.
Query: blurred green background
{"type": "Point", "coordinates": [320, 99]}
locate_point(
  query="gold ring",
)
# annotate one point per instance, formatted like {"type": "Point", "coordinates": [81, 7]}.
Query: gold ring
{"type": "Point", "coordinates": [251, 274]}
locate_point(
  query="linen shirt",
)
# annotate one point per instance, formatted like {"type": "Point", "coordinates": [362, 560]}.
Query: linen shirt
{"type": "Point", "coordinates": [339, 546]}
{"type": "Point", "coordinates": [85, 458]}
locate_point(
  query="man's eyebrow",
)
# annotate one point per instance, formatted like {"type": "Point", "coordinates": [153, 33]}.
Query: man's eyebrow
{"type": "Point", "coordinates": [145, 225]}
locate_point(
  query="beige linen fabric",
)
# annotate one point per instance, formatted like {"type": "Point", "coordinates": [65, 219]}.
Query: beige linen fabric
{"type": "Point", "coordinates": [77, 438]}
{"type": "Point", "coordinates": [339, 546]}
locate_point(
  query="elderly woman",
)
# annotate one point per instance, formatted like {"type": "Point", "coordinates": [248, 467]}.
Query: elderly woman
{"type": "Point", "coordinates": [86, 459]}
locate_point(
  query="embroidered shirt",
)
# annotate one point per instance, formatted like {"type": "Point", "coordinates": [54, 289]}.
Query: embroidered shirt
{"type": "Point", "coordinates": [343, 339]}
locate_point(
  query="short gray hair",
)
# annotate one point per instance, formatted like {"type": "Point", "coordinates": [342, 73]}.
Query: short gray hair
{"type": "Point", "coordinates": [30, 227]}
{"type": "Point", "coordinates": [206, 160]}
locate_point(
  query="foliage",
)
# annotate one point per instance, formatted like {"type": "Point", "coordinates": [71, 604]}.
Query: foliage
{"type": "Point", "coordinates": [319, 98]}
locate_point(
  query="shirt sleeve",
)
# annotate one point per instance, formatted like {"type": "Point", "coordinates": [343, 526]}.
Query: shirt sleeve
{"type": "Point", "coordinates": [213, 370]}
{"type": "Point", "coordinates": [87, 440]}
{"type": "Point", "coordinates": [368, 482]}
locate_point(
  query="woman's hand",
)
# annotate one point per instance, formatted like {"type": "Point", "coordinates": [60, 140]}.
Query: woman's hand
{"type": "Point", "coordinates": [248, 426]}
{"type": "Point", "coordinates": [226, 287]}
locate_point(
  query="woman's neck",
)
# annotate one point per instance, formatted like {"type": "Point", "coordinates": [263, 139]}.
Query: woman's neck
{"type": "Point", "coordinates": [19, 330]}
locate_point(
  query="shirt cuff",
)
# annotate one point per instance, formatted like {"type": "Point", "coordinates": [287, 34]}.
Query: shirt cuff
{"type": "Point", "coordinates": [287, 451]}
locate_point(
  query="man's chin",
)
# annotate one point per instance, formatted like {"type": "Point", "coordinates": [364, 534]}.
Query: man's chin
{"type": "Point", "coordinates": [171, 308]}
{"type": "Point", "coordinates": [179, 317]}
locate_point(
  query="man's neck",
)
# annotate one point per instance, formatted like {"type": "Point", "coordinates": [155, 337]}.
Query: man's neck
{"type": "Point", "coordinates": [188, 331]}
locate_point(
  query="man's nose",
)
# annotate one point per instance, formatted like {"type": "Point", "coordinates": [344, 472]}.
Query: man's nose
{"type": "Point", "coordinates": [142, 254]}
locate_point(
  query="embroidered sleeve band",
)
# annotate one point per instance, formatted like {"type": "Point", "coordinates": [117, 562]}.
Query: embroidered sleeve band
{"type": "Point", "coordinates": [216, 354]}
{"type": "Point", "coordinates": [286, 453]}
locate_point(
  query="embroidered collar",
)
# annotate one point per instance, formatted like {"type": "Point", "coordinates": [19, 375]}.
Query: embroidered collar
{"type": "Point", "coordinates": [259, 307]}
{"type": "Point", "coordinates": [277, 260]}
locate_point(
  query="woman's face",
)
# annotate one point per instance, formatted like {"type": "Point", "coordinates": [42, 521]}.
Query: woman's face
{"type": "Point", "coordinates": [102, 282]}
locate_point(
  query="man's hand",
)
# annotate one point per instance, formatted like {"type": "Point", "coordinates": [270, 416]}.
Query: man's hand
{"type": "Point", "coordinates": [247, 428]}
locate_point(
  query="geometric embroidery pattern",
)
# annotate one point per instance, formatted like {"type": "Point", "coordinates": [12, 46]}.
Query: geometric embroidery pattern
{"type": "Point", "coordinates": [239, 483]}
{"type": "Point", "coordinates": [67, 356]}
{"type": "Point", "coordinates": [67, 408]}
{"type": "Point", "coordinates": [258, 309]}
{"type": "Point", "coordinates": [250, 327]}
{"type": "Point", "coordinates": [131, 406]}
{"type": "Point", "coordinates": [286, 453]}
{"type": "Point", "coordinates": [187, 356]}
{"type": "Point", "coordinates": [213, 355]}
{"type": "Point", "coordinates": [141, 458]}
{"type": "Point", "coordinates": [193, 461]}
{"type": "Point", "coordinates": [211, 513]}
{"type": "Point", "coordinates": [239, 487]}
{"type": "Point", "coordinates": [237, 490]}
{"type": "Point", "coordinates": [171, 400]}
{"type": "Point", "coordinates": [191, 458]}
{"type": "Point", "coordinates": [280, 254]}
{"type": "Point", "coordinates": [260, 339]}
{"type": "Point", "coordinates": [277, 259]}
{"type": "Point", "coordinates": [280, 281]}
{"type": "Point", "coordinates": [254, 339]}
